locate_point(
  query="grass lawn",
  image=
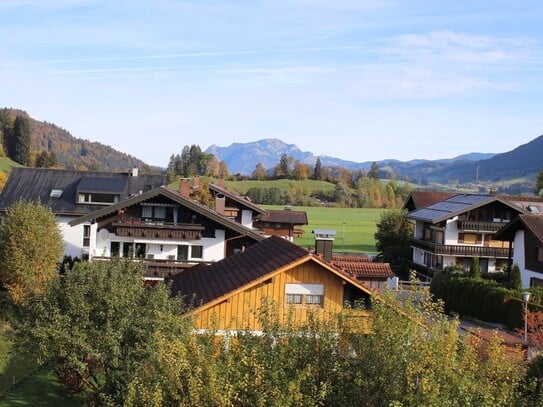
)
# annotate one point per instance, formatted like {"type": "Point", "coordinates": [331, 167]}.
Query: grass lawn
{"type": "Point", "coordinates": [307, 187]}
{"type": "Point", "coordinates": [359, 225]}
{"type": "Point", "coordinates": [37, 389]}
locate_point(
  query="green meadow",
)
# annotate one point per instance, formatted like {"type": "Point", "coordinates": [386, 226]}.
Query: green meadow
{"type": "Point", "coordinates": [355, 227]}
{"type": "Point", "coordinates": [6, 164]}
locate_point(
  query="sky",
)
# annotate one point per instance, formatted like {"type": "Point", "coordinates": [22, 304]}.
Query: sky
{"type": "Point", "coordinates": [360, 80]}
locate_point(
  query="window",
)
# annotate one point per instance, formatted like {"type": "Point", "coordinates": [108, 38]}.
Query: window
{"type": "Point", "coordinates": [86, 235]}
{"type": "Point", "coordinates": [182, 252]}
{"type": "Point", "coordinates": [196, 252]}
{"type": "Point", "coordinates": [55, 193]}
{"type": "Point", "coordinates": [294, 299]}
{"type": "Point", "coordinates": [160, 212]}
{"type": "Point", "coordinates": [540, 254]}
{"type": "Point", "coordinates": [146, 212]}
{"type": "Point", "coordinates": [115, 249]}
{"type": "Point", "coordinates": [304, 294]}
{"type": "Point", "coordinates": [97, 198]}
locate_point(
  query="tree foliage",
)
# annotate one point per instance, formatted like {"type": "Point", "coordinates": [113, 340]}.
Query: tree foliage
{"type": "Point", "coordinates": [515, 281]}
{"type": "Point", "coordinates": [538, 189]}
{"type": "Point", "coordinates": [30, 248]}
{"type": "Point", "coordinates": [98, 326]}
{"type": "Point", "coordinates": [392, 238]}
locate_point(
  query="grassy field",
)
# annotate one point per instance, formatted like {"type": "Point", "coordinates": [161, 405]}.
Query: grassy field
{"type": "Point", "coordinates": [307, 187]}
{"type": "Point", "coordinates": [359, 225]}
{"type": "Point", "coordinates": [6, 164]}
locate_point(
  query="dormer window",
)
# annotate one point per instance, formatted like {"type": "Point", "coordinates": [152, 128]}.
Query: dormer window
{"type": "Point", "coordinates": [56, 193]}
{"type": "Point", "coordinates": [100, 190]}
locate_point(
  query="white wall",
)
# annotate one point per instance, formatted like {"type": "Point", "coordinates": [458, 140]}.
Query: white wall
{"type": "Point", "coordinates": [213, 248]}
{"type": "Point", "coordinates": [72, 237]}
{"type": "Point", "coordinates": [451, 231]}
{"type": "Point", "coordinates": [247, 218]}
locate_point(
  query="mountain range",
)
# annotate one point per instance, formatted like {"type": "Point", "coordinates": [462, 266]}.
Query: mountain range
{"type": "Point", "coordinates": [520, 165]}
{"type": "Point", "coordinates": [524, 162]}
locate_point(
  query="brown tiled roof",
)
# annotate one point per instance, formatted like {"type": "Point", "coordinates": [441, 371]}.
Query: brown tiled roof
{"type": "Point", "coordinates": [529, 222]}
{"type": "Point", "coordinates": [533, 204]}
{"type": "Point", "coordinates": [204, 283]}
{"type": "Point", "coordinates": [363, 269]}
{"type": "Point", "coordinates": [285, 216]}
{"type": "Point", "coordinates": [351, 259]}
{"type": "Point", "coordinates": [421, 198]}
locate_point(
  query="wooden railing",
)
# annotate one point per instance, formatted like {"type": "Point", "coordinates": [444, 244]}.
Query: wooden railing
{"type": "Point", "coordinates": [460, 250]}
{"type": "Point", "coordinates": [158, 268]}
{"type": "Point", "coordinates": [480, 226]}
{"type": "Point", "coordinates": [161, 230]}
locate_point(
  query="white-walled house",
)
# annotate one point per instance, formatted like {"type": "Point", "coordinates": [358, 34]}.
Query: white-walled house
{"type": "Point", "coordinates": [524, 235]}
{"type": "Point", "coordinates": [71, 194]}
{"type": "Point", "coordinates": [105, 214]}
{"type": "Point", "coordinates": [453, 231]}
{"type": "Point", "coordinates": [166, 229]}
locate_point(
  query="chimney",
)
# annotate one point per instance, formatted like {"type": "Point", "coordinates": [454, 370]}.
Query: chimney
{"type": "Point", "coordinates": [220, 204]}
{"type": "Point", "coordinates": [135, 171]}
{"type": "Point", "coordinates": [324, 243]}
{"type": "Point", "coordinates": [184, 187]}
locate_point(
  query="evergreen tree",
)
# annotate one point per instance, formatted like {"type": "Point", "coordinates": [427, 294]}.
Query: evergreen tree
{"type": "Point", "coordinates": [317, 171]}
{"type": "Point", "coordinates": [515, 281]}
{"type": "Point", "coordinates": [475, 271]}
{"type": "Point", "coordinates": [538, 189]}
{"type": "Point", "coordinates": [374, 171]}
{"type": "Point", "coordinates": [20, 141]}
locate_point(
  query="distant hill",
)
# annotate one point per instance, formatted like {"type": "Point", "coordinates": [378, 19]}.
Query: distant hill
{"type": "Point", "coordinates": [72, 152]}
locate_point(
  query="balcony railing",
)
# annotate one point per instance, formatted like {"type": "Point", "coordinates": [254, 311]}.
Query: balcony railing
{"type": "Point", "coordinates": [161, 230]}
{"type": "Point", "coordinates": [480, 226]}
{"type": "Point", "coordinates": [158, 268]}
{"type": "Point", "coordinates": [459, 250]}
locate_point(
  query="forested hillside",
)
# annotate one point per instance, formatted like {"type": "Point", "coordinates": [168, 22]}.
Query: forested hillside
{"type": "Point", "coordinates": [42, 144]}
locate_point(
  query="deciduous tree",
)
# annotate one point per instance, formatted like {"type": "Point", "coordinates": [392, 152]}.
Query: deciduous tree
{"type": "Point", "coordinates": [30, 248]}
{"type": "Point", "coordinates": [392, 238]}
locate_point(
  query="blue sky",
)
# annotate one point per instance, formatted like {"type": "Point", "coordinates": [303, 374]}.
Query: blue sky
{"type": "Point", "coordinates": [360, 80]}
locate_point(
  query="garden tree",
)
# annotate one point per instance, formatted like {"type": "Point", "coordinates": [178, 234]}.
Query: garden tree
{"type": "Point", "coordinates": [203, 195]}
{"type": "Point", "coordinates": [317, 171]}
{"type": "Point", "coordinates": [19, 145]}
{"type": "Point", "coordinates": [392, 238]}
{"type": "Point", "coordinates": [538, 189]}
{"type": "Point", "coordinates": [30, 248]}
{"type": "Point", "coordinates": [475, 269]}
{"type": "Point", "coordinates": [404, 361]}
{"type": "Point", "coordinates": [301, 170]}
{"type": "Point", "coordinates": [7, 120]}
{"type": "Point", "coordinates": [515, 281]}
{"type": "Point", "coordinates": [345, 176]}
{"type": "Point", "coordinates": [99, 325]}
{"type": "Point", "coordinates": [374, 171]}
{"type": "Point", "coordinates": [259, 172]}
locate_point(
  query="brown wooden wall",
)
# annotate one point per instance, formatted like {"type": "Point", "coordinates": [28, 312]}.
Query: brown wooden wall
{"type": "Point", "coordinates": [239, 311]}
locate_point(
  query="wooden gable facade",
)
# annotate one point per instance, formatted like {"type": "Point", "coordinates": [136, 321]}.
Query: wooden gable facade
{"type": "Point", "coordinates": [228, 295]}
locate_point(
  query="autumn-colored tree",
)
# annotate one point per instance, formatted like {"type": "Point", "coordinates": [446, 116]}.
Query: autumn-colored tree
{"type": "Point", "coordinates": [3, 179]}
{"type": "Point", "coordinates": [301, 170]}
{"type": "Point", "coordinates": [98, 326]}
{"type": "Point", "coordinates": [30, 249]}
{"type": "Point", "coordinates": [259, 173]}
{"type": "Point", "coordinates": [538, 189]}
{"type": "Point", "coordinates": [223, 170]}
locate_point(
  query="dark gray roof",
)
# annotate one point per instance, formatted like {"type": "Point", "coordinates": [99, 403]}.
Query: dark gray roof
{"type": "Point", "coordinates": [30, 184]}
{"type": "Point", "coordinates": [102, 184]}
{"type": "Point", "coordinates": [216, 189]}
{"type": "Point", "coordinates": [176, 197]}
{"type": "Point", "coordinates": [453, 206]}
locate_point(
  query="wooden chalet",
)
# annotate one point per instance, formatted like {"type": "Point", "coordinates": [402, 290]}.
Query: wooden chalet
{"type": "Point", "coordinates": [421, 198]}
{"type": "Point", "coordinates": [455, 230]}
{"type": "Point", "coordinates": [285, 223]}
{"type": "Point", "coordinates": [227, 294]}
{"type": "Point", "coordinates": [167, 230]}
{"type": "Point", "coordinates": [71, 194]}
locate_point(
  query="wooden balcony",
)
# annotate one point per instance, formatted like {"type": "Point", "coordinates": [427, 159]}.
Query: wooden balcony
{"type": "Point", "coordinates": [159, 230]}
{"type": "Point", "coordinates": [471, 225]}
{"type": "Point", "coordinates": [158, 268]}
{"type": "Point", "coordinates": [461, 250]}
